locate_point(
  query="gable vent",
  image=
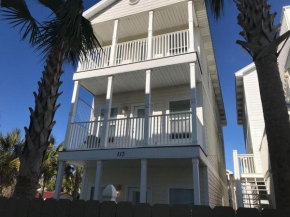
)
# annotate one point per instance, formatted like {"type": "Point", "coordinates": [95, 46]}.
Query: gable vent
{"type": "Point", "coordinates": [133, 2]}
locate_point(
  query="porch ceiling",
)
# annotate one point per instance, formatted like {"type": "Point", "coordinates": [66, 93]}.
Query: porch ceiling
{"type": "Point", "coordinates": [136, 26]}
{"type": "Point", "coordinates": [133, 81]}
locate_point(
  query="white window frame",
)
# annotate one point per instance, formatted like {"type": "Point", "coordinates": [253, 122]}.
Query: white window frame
{"type": "Point", "coordinates": [186, 187]}
{"type": "Point", "coordinates": [168, 125]}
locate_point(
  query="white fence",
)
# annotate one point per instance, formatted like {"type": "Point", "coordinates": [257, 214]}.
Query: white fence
{"type": "Point", "coordinates": [169, 129]}
{"type": "Point", "coordinates": [170, 44]}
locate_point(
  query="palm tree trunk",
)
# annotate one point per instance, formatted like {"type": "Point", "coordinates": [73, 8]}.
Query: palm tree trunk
{"type": "Point", "coordinates": [277, 126]}
{"type": "Point", "coordinates": [261, 42]}
{"type": "Point", "coordinates": [41, 124]}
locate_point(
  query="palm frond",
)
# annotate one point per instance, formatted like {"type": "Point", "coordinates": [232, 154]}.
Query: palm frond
{"type": "Point", "coordinates": [217, 7]}
{"type": "Point", "coordinates": [53, 5]}
{"type": "Point", "coordinates": [70, 32]}
{"type": "Point", "coordinates": [18, 15]}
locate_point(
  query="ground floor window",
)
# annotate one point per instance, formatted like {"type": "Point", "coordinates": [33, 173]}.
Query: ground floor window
{"type": "Point", "coordinates": [181, 196]}
{"type": "Point", "coordinates": [134, 195]}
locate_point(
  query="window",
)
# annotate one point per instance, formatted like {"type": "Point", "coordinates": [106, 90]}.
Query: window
{"type": "Point", "coordinates": [179, 106]}
{"type": "Point", "coordinates": [179, 119]}
{"type": "Point", "coordinates": [113, 114]}
{"type": "Point", "coordinates": [112, 123]}
{"type": "Point", "coordinates": [181, 196]}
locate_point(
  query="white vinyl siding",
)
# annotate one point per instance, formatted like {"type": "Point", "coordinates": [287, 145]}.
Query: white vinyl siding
{"type": "Point", "coordinates": [160, 99]}
{"type": "Point", "coordinates": [122, 8]}
{"type": "Point", "coordinates": [255, 118]}
{"type": "Point", "coordinates": [159, 179]}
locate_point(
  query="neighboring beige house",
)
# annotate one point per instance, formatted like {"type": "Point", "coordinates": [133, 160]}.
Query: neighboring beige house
{"type": "Point", "coordinates": [154, 129]}
{"type": "Point", "coordinates": [252, 170]}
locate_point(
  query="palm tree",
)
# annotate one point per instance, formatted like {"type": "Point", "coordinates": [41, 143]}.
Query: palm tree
{"type": "Point", "coordinates": [65, 37]}
{"type": "Point", "coordinates": [50, 164]}
{"type": "Point", "coordinates": [72, 180]}
{"type": "Point", "coordinates": [262, 41]}
{"type": "Point", "coordinates": [9, 163]}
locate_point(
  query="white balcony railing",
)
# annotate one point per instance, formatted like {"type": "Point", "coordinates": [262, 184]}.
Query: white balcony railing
{"type": "Point", "coordinates": [171, 44]}
{"type": "Point", "coordinates": [169, 129]}
{"type": "Point", "coordinates": [246, 163]}
{"type": "Point", "coordinates": [101, 59]}
{"type": "Point", "coordinates": [130, 52]}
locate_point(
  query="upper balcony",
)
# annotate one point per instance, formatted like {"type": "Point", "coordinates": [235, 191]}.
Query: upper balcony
{"type": "Point", "coordinates": [145, 36]}
{"type": "Point", "coordinates": [165, 45]}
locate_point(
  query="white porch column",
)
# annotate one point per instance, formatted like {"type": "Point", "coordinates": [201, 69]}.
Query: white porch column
{"type": "Point", "coordinates": [193, 103]}
{"type": "Point", "coordinates": [83, 183]}
{"type": "Point", "coordinates": [104, 137]}
{"type": "Point", "coordinates": [147, 106]}
{"type": "Point", "coordinates": [114, 43]}
{"type": "Point", "coordinates": [196, 185]}
{"type": "Point", "coordinates": [191, 26]}
{"type": "Point", "coordinates": [143, 183]}
{"type": "Point", "coordinates": [98, 179]}
{"type": "Point", "coordinates": [72, 113]}
{"type": "Point", "coordinates": [238, 183]}
{"type": "Point", "coordinates": [150, 36]}
{"type": "Point", "coordinates": [59, 178]}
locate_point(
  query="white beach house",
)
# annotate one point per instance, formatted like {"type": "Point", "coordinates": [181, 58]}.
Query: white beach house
{"type": "Point", "coordinates": [155, 129]}
{"type": "Point", "coordinates": [252, 170]}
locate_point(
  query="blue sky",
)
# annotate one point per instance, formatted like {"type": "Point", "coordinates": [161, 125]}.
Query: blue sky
{"type": "Point", "coordinates": [21, 67]}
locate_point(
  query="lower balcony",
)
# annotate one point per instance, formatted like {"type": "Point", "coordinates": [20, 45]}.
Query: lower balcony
{"type": "Point", "coordinates": [164, 130]}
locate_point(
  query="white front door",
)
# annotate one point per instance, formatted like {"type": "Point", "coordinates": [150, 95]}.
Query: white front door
{"type": "Point", "coordinates": [139, 114]}
{"type": "Point", "coordinates": [134, 195]}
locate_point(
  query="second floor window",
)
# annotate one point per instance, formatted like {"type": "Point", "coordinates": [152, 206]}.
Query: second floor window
{"type": "Point", "coordinates": [179, 119]}
{"type": "Point", "coordinates": [113, 114]}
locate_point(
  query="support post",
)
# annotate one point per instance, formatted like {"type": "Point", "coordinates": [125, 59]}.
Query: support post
{"type": "Point", "coordinates": [150, 35]}
{"type": "Point", "coordinates": [59, 178]}
{"type": "Point", "coordinates": [238, 184]}
{"type": "Point", "coordinates": [72, 113]}
{"type": "Point", "coordinates": [83, 183]}
{"type": "Point", "coordinates": [107, 112]}
{"type": "Point", "coordinates": [191, 26]}
{"type": "Point", "coordinates": [143, 183]}
{"type": "Point", "coordinates": [193, 103]}
{"type": "Point", "coordinates": [205, 185]}
{"type": "Point", "coordinates": [114, 43]}
{"type": "Point", "coordinates": [147, 107]}
{"type": "Point", "coordinates": [98, 179]}
{"type": "Point", "coordinates": [196, 185]}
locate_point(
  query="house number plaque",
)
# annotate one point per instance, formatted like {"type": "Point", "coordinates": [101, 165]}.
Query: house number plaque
{"type": "Point", "coordinates": [120, 154]}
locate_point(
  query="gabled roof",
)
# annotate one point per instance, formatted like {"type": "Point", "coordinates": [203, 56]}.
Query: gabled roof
{"type": "Point", "coordinates": [239, 75]}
